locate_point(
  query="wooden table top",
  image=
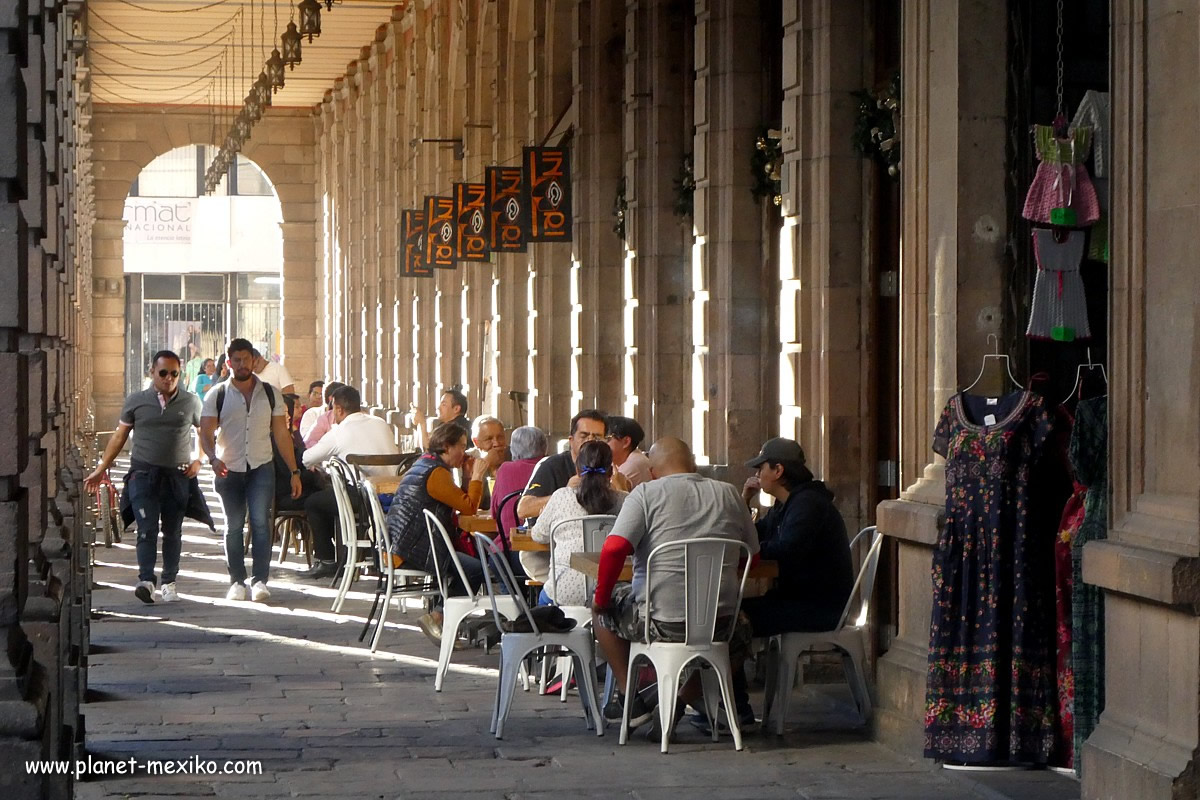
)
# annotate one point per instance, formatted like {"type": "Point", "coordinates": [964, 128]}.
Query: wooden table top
{"type": "Point", "coordinates": [477, 523]}
{"type": "Point", "coordinates": [523, 541]}
{"type": "Point", "coordinates": [589, 565]}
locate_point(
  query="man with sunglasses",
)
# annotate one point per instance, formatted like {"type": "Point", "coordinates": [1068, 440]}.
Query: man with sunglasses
{"type": "Point", "coordinates": [161, 467]}
{"type": "Point", "coordinates": [248, 412]}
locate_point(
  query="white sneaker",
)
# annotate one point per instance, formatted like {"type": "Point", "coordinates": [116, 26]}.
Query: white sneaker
{"type": "Point", "coordinates": [168, 593]}
{"type": "Point", "coordinates": [236, 592]}
{"type": "Point", "coordinates": [144, 591]}
{"type": "Point", "coordinates": [259, 592]}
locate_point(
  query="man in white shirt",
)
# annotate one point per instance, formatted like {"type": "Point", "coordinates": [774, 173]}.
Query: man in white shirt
{"type": "Point", "coordinates": [353, 433]}
{"type": "Point", "coordinates": [274, 373]}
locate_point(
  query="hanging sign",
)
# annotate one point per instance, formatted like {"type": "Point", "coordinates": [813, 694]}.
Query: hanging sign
{"type": "Point", "coordinates": [471, 222]}
{"type": "Point", "coordinates": [412, 248]}
{"type": "Point", "coordinates": [548, 183]}
{"type": "Point", "coordinates": [508, 210]}
{"type": "Point", "coordinates": [439, 232]}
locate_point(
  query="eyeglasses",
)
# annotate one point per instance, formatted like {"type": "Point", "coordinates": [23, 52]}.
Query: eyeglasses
{"type": "Point", "coordinates": [590, 437]}
{"type": "Point", "coordinates": [174, 373]}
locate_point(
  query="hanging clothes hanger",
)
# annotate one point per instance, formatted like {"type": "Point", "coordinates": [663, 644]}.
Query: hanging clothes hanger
{"type": "Point", "coordinates": [1090, 366]}
{"type": "Point", "coordinates": [998, 356]}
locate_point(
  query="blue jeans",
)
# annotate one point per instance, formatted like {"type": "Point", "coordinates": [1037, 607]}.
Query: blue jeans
{"type": "Point", "coordinates": [153, 498]}
{"type": "Point", "coordinates": [241, 492]}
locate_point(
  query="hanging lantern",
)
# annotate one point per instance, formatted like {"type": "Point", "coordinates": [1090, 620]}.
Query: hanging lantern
{"type": "Point", "coordinates": [232, 144]}
{"type": "Point", "coordinates": [275, 70]}
{"type": "Point", "coordinates": [329, 4]}
{"type": "Point", "coordinates": [310, 19]}
{"type": "Point", "coordinates": [251, 108]}
{"type": "Point", "coordinates": [290, 41]}
{"type": "Point", "coordinates": [241, 126]}
{"type": "Point", "coordinates": [262, 91]}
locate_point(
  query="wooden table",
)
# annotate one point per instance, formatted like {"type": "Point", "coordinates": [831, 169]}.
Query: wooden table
{"type": "Point", "coordinates": [477, 523]}
{"type": "Point", "coordinates": [759, 579]}
{"type": "Point", "coordinates": [523, 541]}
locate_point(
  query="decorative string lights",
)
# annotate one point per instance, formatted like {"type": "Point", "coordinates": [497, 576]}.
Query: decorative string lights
{"type": "Point", "coordinates": [269, 81]}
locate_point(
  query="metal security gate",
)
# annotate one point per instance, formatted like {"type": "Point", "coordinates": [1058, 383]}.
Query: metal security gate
{"type": "Point", "coordinates": [190, 329]}
{"type": "Point", "coordinates": [258, 321]}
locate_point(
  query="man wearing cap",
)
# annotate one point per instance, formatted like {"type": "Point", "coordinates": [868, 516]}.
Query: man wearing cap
{"type": "Point", "coordinates": [804, 532]}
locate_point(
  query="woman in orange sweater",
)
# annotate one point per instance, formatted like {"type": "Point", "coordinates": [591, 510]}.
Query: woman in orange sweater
{"type": "Point", "coordinates": [429, 484]}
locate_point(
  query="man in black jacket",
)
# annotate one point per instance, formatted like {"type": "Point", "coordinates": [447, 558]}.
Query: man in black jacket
{"type": "Point", "coordinates": [805, 533]}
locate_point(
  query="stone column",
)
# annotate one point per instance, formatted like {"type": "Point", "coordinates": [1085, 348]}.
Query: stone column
{"type": "Point", "coordinates": [596, 251]}
{"type": "Point", "coordinates": [823, 291]}
{"type": "Point", "coordinates": [954, 66]}
{"type": "Point", "coordinates": [658, 239]}
{"type": "Point", "coordinates": [736, 370]}
{"type": "Point", "coordinates": [1147, 741]}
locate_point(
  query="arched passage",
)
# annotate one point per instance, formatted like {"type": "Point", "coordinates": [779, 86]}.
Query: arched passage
{"type": "Point", "coordinates": [127, 139]}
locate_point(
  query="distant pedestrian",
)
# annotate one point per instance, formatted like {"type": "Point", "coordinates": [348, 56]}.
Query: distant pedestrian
{"type": "Point", "coordinates": [162, 466]}
{"type": "Point", "coordinates": [240, 417]}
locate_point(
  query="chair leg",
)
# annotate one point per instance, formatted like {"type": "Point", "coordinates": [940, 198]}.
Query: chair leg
{"type": "Point", "coordinates": [348, 570]}
{"type": "Point", "coordinates": [785, 676]}
{"type": "Point", "coordinates": [586, 678]}
{"type": "Point", "coordinates": [508, 688]}
{"type": "Point", "coordinates": [852, 661]}
{"type": "Point", "coordinates": [725, 679]}
{"type": "Point", "coordinates": [450, 622]}
{"type": "Point", "coordinates": [712, 699]}
{"type": "Point", "coordinates": [383, 612]}
{"type": "Point", "coordinates": [631, 672]}
{"type": "Point", "coordinates": [771, 654]}
{"type": "Point", "coordinates": [284, 531]}
{"type": "Point", "coordinates": [668, 689]}
{"type": "Point", "coordinates": [564, 671]}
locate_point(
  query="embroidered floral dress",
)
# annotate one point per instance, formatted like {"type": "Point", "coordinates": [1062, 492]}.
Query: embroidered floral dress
{"type": "Point", "coordinates": [1064, 581]}
{"type": "Point", "coordinates": [990, 693]}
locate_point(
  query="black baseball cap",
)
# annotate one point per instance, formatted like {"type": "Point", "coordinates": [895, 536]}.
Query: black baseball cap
{"type": "Point", "coordinates": [778, 450]}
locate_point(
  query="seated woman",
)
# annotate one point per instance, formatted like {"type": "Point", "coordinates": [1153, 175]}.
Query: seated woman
{"type": "Point", "coordinates": [429, 484]}
{"type": "Point", "coordinates": [527, 446]}
{"type": "Point", "coordinates": [588, 492]}
{"type": "Point", "coordinates": [206, 378]}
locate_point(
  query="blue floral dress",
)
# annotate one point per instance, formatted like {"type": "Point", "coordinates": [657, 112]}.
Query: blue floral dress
{"type": "Point", "coordinates": [991, 695]}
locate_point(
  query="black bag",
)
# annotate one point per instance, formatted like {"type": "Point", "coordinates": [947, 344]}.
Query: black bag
{"type": "Point", "coordinates": [549, 619]}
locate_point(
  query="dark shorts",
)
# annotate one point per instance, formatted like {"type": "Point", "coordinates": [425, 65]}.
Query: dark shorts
{"type": "Point", "coordinates": [624, 618]}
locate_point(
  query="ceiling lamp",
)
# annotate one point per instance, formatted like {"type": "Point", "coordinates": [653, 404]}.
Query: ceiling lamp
{"type": "Point", "coordinates": [290, 40]}
{"type": "Point", "coordinates": [251, 107]}
{"type": "Point", "coordinates": [262, 90]}
{"type": "Point", "coordinates": [275, 70]}
{"type": "Point", "coordinates": [310, 19]}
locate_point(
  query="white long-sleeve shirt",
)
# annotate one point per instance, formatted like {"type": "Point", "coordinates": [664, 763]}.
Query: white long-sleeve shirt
{"type": "Point", "coordinates": [358, 434]}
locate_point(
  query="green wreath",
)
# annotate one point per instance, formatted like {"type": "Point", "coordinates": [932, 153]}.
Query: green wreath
{"type": "Point", "coordinates": [875, 126]}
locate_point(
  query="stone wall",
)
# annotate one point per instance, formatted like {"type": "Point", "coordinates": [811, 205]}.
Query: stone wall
{"type": "Point", "coordinates": [45, 351]}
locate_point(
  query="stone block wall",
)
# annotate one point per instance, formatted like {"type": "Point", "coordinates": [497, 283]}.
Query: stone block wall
{"type": "Point", "coordinates": [46, 218]}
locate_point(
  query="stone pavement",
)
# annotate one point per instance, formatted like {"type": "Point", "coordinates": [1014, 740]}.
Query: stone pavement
{"type": "Point", "coordinates": [287, 684]}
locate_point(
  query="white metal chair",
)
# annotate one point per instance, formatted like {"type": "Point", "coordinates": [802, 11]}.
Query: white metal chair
{"type": "Point", "coordinates": [356, 539]}
{"type": "Point", "coordinates": [414, 582]}
{"type": "Point", "coordinates": [454, 609]}
{"type": "Point", "coordinates": [848, 638]}
{"type": "Point", "coordinates": [515, 646]}
{"type": "Point", "coordinates": [595, 529]}
{"type": "Point", "coordinates": [704, 561]}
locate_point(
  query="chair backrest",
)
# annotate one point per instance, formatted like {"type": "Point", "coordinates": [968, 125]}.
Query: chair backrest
{"type": "Point", "coordinates": [595, 529]}
{"type": "Point", "coordinates": [498, 513]}
{"type": "Point", "coordinates": [704, 563]}
{"type": "Point", "coordinates": [340, 477]}
{"type": "Point", "coordinates": [434, 527]}
{"type": "Point", "coordinates": [864, 584]}
{"type": "Point", "coordinates": [508, 581]}
{"type": "Point", "coordinates": [401, 460]}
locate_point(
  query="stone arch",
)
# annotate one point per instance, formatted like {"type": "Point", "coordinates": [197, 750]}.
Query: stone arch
{"type": "Point", "coordinates": [126, 139]}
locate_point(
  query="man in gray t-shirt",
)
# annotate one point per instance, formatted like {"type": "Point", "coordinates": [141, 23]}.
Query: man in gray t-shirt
{"type": "Point", "coordinates": [162, 419]}
{"type": "Point", "coordinates": [676, 506]}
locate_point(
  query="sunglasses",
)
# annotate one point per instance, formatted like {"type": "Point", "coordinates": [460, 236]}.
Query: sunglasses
{"type": "Point", "coordinates": [174, 373]}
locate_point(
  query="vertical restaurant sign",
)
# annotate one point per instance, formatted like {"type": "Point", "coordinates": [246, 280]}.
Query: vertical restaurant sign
{"type": "Point", "coordinates": [508, 211]}
{"type": "Point", "coordinates": [412, 253]}
{"type": "Point", "coordinates": [548, 184]}
{"type": "Point", "coordinates": [471, 222]}
{"type": "Point", "coordinates": [439, 232]}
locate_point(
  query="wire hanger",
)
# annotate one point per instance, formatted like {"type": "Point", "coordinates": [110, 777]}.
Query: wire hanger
{"type": "Point", "coordinates": [996, 354]}
{"type": "Point", "coordinates": [1089, 366]}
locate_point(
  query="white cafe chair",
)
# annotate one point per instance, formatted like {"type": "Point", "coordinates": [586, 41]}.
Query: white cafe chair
{"type": "Point", "coordinates": [704, 559]}
{"type": "Point", "coordinates": [847, 638]}
{"type": "Point", "coordinates": [455, 609]}
{"type": "Point", "coordinates": [515, 646]}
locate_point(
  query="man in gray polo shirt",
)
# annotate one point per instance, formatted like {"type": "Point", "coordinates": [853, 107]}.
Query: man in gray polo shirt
{"type": "Point", "coordinates": [240, 418]}
{"type": "Point", "coordinates": [161, 466]}
{"type": "Point", "coordinates": [676, 506]}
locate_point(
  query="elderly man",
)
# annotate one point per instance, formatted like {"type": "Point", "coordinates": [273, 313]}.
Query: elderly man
{"type": "Point", "coordinates": [624, 436]}
{"type": "Point", "coordinates": [678, 505]}
{"type": "Point", "coordinates": [274, 373]}
{"type": "Point", "coordinates": [451, 408]}
{"type": "Point", "coordinates": [239, 421]}
{"type": "Point", "coordinates": [558, 470]}
{"type": "Point", "coordinates": [488, 434]}
{"type": "Point", "coordinates": [353, 433]}
{"type": "Point", "coordinates": [161, 467]}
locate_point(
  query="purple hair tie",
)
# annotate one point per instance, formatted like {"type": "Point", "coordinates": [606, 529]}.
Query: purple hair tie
{"type": "Point", "coordinates": [592, 471]}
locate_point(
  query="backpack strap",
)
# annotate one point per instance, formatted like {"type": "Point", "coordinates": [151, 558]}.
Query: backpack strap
{"type": "Point", "coordinates": [221, 398]}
